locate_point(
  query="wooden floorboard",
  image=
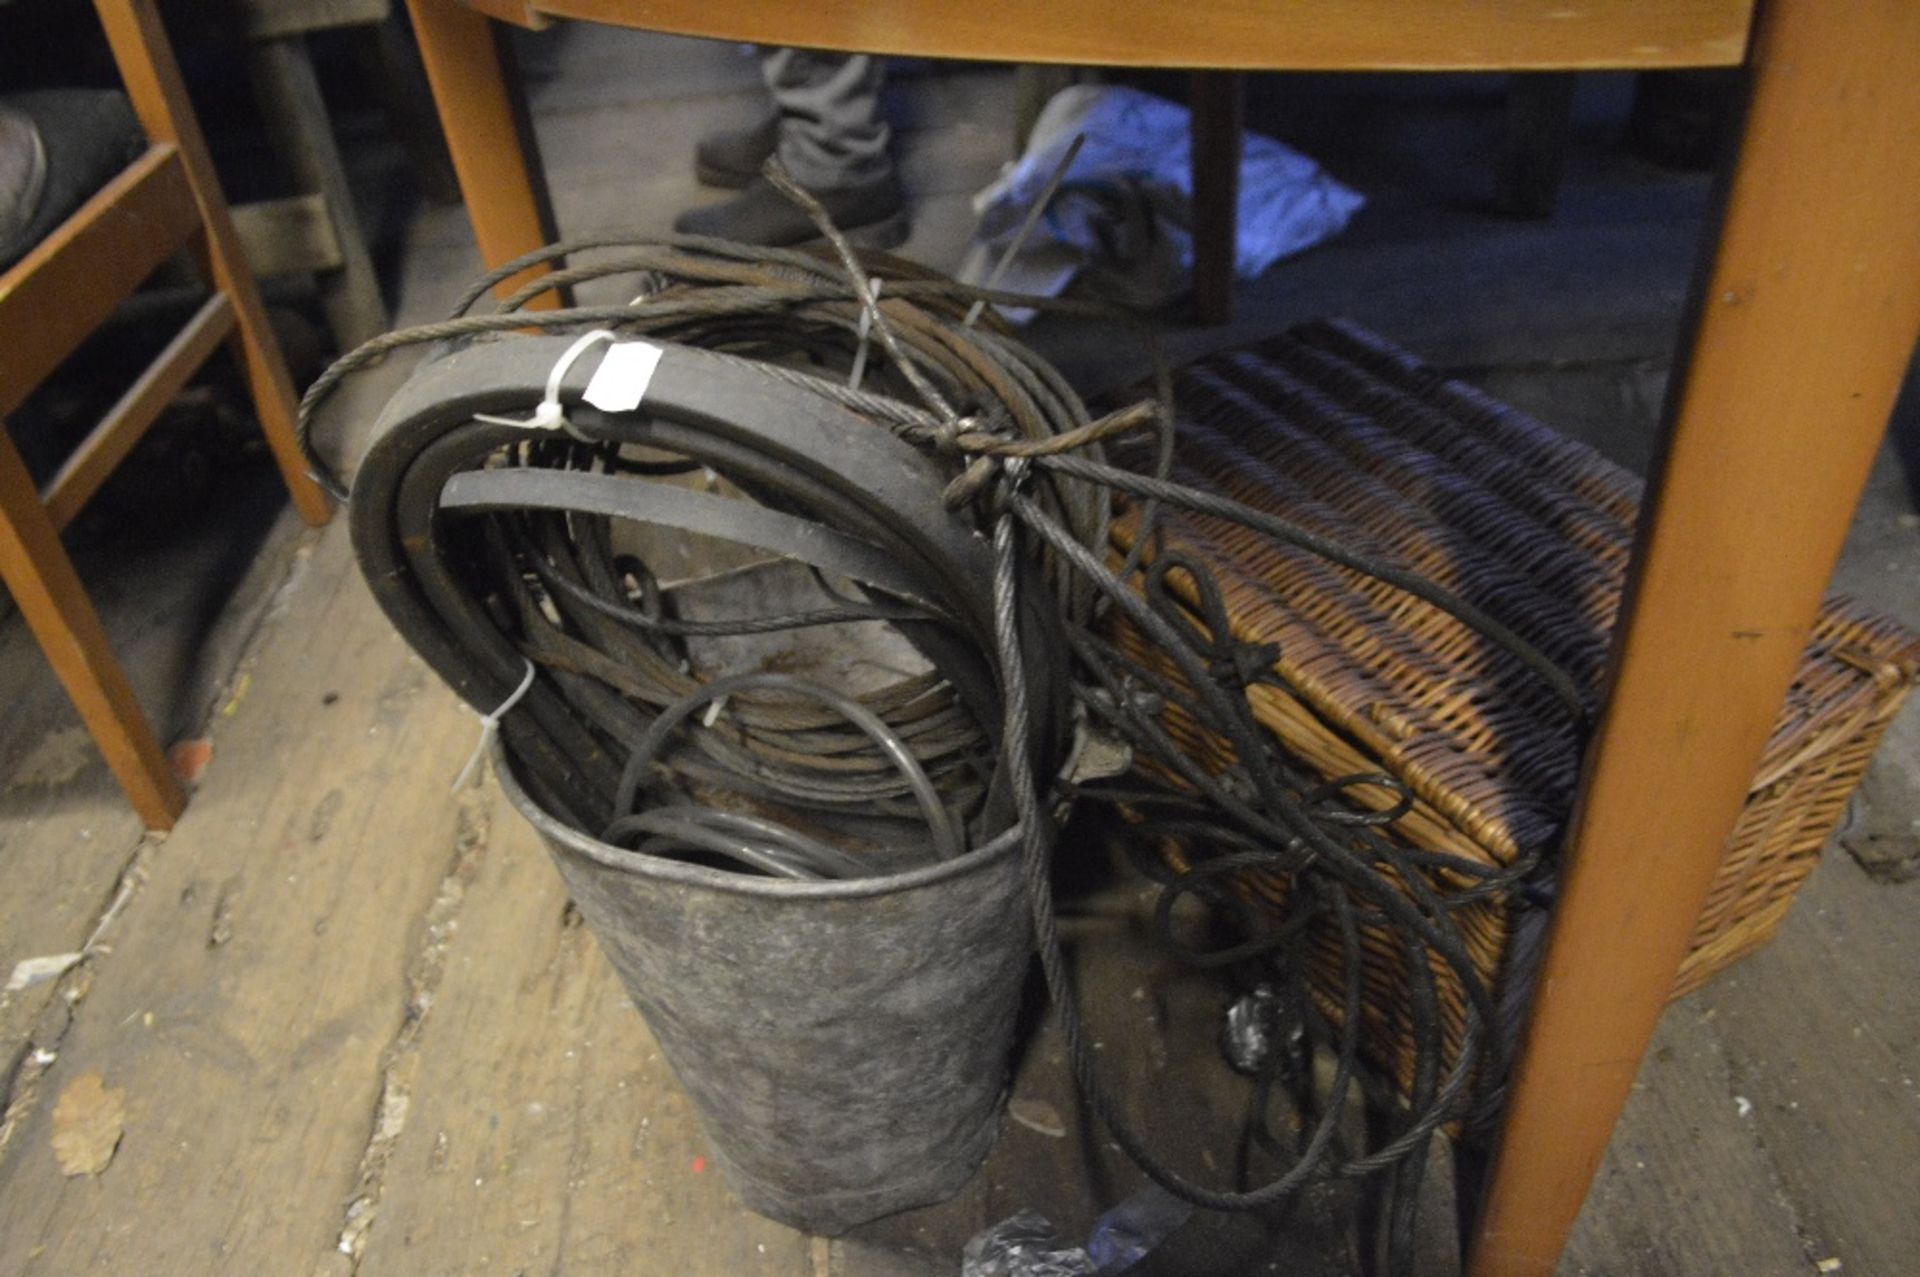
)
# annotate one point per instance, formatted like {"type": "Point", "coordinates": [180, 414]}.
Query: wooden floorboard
{"type": "Point", "coordinates": [1666, 1199]}
{"type": "Point", "coordinates": [1822, 1039]}
{"type": "Point", "coordinates": [64, 848]}
{"type": "Point", "coordinates": [545, 1133]}
{"type": "Point", "coordinates": [259, 975]}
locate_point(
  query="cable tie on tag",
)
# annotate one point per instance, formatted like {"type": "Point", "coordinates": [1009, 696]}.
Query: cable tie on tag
{"type": "Point", "coordinates": [490, 728]}
{"type": "Point", "coordinates": [549, 414]}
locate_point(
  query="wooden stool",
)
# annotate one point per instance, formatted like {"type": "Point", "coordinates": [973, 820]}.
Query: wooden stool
{"type": "Point", "coordinates": [317, 230]}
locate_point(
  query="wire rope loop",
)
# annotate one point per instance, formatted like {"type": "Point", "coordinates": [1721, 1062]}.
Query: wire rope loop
{"type": "Point", "coordinates": [947, 842]}
{"type": "Point", "coordinates": [1319, 799]}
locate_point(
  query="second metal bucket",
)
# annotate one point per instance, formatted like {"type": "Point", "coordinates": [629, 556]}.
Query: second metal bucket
{"type": "Point", "coordinates": [846, 1043]}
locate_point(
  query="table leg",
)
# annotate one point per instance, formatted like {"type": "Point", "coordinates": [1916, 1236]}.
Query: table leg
{"type": "Point", "coordinates": [1803, 330]}
{"type": "Point", "coordinates": [1218, 108]}
{"type": "Point", "coordinates": [477, 114]}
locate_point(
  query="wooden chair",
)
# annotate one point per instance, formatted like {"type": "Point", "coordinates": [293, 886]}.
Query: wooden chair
{"type": "Point", "coordinates": [167, 199]}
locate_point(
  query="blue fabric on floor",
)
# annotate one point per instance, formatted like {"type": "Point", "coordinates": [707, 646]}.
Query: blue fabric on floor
{"type": "Point", "coordinates": [1121, 219]}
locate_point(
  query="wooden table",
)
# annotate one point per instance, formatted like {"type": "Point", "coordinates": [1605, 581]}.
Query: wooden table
{"type": "Point", "coordinates": [1802, 324]}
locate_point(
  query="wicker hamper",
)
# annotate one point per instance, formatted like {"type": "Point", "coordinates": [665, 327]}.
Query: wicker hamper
{"type": "Point", "coordinates": [1338, 430]}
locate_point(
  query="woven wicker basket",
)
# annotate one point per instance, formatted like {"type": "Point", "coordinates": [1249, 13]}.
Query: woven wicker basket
{"type": "Point", "coordinates": [1337, 430]}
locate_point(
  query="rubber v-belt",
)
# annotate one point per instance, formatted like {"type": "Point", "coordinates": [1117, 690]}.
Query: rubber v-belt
{"type": "Point", "coordinates": [872, 501]}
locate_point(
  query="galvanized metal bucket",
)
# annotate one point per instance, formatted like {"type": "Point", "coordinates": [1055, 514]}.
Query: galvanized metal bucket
{"type": "Point", "coordinates": [846, 1042]}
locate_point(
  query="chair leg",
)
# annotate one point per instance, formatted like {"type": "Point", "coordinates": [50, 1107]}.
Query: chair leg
{"type": "Point", "coordinates": [41, 576]}
{"type": "Point", "coordinates": [1218, 107]}
{"type": "Point", "coordinates": [152, 79]}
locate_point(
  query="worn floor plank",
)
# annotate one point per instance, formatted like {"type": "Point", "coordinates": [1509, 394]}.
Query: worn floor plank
{"type": "Point", "coordinates": [64, 845]}
{"type": "Point", "coordinates": [1822, 1039]}
{"type": "Point", "coordinates": [178, 620]}
{"type": "Point", "coordinates": [544, 1131]}
{"type": "Point", "coordinates": [259, 976]}
{"type": "Point", "coordinates": [1661, 1203]}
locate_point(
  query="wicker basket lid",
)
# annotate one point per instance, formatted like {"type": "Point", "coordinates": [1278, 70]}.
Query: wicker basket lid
{"type": "Point", "coordinates": [1337, 430]}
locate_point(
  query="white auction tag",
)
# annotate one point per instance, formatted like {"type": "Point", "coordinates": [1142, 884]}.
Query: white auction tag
{"type": "Point", "coordinates": [620, 382]}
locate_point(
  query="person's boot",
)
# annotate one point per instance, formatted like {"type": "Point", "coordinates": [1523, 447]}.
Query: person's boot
{"type": "Point", "coordinates": [732, 158]}
{"type": "Point", "coordinates": [871, 215]}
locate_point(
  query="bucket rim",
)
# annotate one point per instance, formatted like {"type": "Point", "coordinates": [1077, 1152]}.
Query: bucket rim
{"type": "Point", "coordinates": [662, 869]}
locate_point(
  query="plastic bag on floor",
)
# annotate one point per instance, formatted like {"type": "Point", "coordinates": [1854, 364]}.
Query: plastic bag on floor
{"type": "Point", "coordinates": [1121, 221]}
{"type": "Point", "coordinates": [1024, 1245]}
{"type": "Point", "coordinates": [1028, 1245]}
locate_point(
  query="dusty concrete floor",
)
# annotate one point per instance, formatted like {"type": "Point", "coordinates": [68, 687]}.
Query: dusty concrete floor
{"type": "Point", "coordinates": [355, 1030]}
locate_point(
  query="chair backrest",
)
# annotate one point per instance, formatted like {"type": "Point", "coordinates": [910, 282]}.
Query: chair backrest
{"type": "Point", "coordinates": [169, 198]}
